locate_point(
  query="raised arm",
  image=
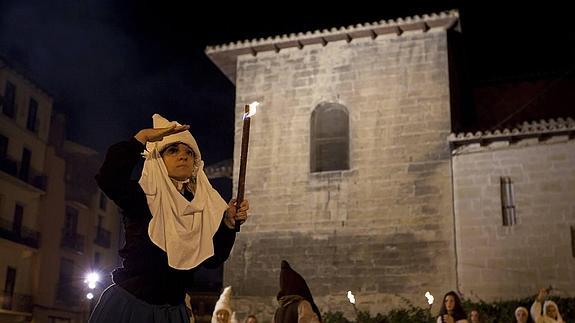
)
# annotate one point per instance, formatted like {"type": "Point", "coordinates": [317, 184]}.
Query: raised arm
{"type": "Point", "coordinates": [538, 304]}
{"type": "Point", "coordinates": [114, 175]}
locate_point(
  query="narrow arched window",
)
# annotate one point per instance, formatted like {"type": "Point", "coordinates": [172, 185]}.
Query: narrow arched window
{"type": "Point", "coordinates": [329, 138]}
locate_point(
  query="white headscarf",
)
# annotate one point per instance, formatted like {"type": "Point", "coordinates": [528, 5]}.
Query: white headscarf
{"type": "Point", "coordinates": [552, 303]}
{"type": "Point", "coordinates": [521, 309]}
{"type": "Point", "coordinates": [183, 229]}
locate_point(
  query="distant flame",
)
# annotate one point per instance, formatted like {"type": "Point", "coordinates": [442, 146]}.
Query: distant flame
{"type": "Point", "coordinates": [252, 110]}
{"type": "Point", "coordinates": [429, 298]}
{"type": "Point", "coordinates": [350, 297]}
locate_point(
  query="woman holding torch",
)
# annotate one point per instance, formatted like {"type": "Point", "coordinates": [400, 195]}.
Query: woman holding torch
{"type": "Point", "coordinates": [174, 222]}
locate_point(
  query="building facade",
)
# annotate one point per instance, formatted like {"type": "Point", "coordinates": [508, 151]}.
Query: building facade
{"type": "Point", "coordinates": [354, 177]}
{"type": "Point", "coordinates": [56, 226]}
{"type": "Point", "coordinates": [24, 191]}
{"type": "Point", "coordinates": [514, 210]}
{"type": "Point", "coordinates": [349, 169]}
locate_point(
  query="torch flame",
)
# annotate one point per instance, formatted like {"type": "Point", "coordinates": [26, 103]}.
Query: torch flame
{"type": "Point", "coordinates": [252, 110]}
{"type": "Point", "coordinates": [350, 297]}
{"type": "Point", "coordinates": [429, 298]}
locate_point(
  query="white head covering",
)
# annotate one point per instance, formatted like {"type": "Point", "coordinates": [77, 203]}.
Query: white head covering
{"type": "Point", "coordinates": [552, 303]}
{"type": "Point", "coordinates": [223, 303]}
{"type": "Point", "coordinates": [521, 309]}
{"type": "Point", "coordinates": [183, 229]}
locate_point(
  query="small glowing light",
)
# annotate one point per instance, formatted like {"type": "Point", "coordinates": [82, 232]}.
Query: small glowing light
{"type": "Point", "coordinates": [350, 297]}
{"type": "Point", "coordinates": [252, 110]}
{"type": "Point", "coordinates": [429, 298]}
{"type": "Point", "coordinates": [92, 285]}
{"type": "Point", "coordinates": [89, 296]}
{"type": "Point", "coordinates": [92, 277]}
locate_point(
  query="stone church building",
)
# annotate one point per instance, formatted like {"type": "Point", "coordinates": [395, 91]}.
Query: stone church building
{"type": "Point", "coordinates": [357, 176]}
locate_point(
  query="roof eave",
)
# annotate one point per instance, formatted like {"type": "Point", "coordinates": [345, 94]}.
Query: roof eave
{"type": "Point", "coordinates": [225, 56]}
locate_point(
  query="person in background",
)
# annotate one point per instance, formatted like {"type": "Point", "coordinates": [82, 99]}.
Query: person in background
{"type": "Point", "coordinates": [295, 299]}
{"type": "Point", "coordinates": [521, 315]}
{"type": "Point", "coordinates": [174, 222]}
{"type": "Point", "coordinates": [550, 310]}
{"type": "Point", "coordinates": [251, 319]}
{"type": "Point", "coordinates": [223, 311]}
{"type": "Point", "coordinates": [475, 316]}
{"type": "Point", "coordinates": [451, 310]}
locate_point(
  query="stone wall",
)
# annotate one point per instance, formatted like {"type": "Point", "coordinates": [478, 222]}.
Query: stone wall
{"type": "Point", "coordinates": [502, 262]}
{"type": "Point", "coordinates": [383, 228]}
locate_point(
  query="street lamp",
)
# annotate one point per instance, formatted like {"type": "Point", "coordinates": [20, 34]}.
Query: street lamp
{"type": "Point", "coordinates": [92, 278]}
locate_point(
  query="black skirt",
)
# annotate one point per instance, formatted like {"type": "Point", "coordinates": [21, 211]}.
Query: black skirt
{"type": "Point", "coordinates": [116, 305]}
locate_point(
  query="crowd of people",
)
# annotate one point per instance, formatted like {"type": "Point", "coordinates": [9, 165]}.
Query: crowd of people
{"type": "Point", "coordinates": [295, 301]}
{"type": "Point", "coordinates": [542, 311]}
{"type": "Point", "coordinates": [296, 305]}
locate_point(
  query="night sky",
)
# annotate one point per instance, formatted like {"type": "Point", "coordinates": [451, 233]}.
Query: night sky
{"type": "Point", "coordinates": [111, 64]}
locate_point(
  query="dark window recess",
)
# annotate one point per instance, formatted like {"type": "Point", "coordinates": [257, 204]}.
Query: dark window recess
{"type": "Point", "coordinates": [103, 236]}
{"type": "Point", "coordinates": [507, 202]}
{"type": "Point", "coordinates": [97, 259]}
{"type": "Point", "coordinates": [70, 238]}
{"type": "Point", "coordinates": [573, 240]}
{"type": "Point", "coordinates": [9, 285]}
{"type": "Point", "coordinates": [71, 222]}
{"type": "Point", "coordinates": [67, 292]}
{"type": "Point", "coordinates": [329, 138]}
{"type": "Point", "coordinates": [18, 219]}
{"type": "Point", "coordinates": [32, 115]}
{"type": "Point", "coordinates": [3, 147]}
{"type": "Point", "coordinates": [9, 100]}
{"type": "Point", "coordinates": [24, 172]}
{"type": "Point", "coordinates": [103, 201]}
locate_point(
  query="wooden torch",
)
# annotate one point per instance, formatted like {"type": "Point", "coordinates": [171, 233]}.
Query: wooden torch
{"type": "Point", "coordinates": [249, 111]}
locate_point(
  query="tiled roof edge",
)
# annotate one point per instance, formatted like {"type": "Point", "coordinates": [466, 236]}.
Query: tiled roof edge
{"type": "Point", "coordinates": [445, 19]}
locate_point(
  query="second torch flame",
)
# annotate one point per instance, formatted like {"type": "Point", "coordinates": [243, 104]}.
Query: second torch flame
{"type": "Point", "coordinates": [350, 297]}
{"type": "Point", "coordinates": [429, 298]}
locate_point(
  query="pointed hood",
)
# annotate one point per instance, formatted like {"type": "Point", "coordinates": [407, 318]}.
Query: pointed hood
{"type": "Point", "coordinates": [292, 283]}
{"type": "Point", "coordinates": [223, 303]}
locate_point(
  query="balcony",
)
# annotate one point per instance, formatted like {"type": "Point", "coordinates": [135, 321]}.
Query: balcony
{"type": "Point", "coordinates": [103, 237]}
{"type": "Point", "coordinates": [72, 240]}
{"type": "Point", "coordinates": [21, 235]}
{"type": "Point", "coordinates": [32, 177]}
{"type": "Point", "coordinates": [16, 302]}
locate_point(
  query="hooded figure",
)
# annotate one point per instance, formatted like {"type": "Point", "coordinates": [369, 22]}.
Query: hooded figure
{"type": "Point", "coordinates": [174, 223]}
{"type": "Point", "coordinates": [223, 310]}
{"type": "Point", "coordinates": [295, 299]}
{"type": "Point", "coordinates": [550, 312]}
